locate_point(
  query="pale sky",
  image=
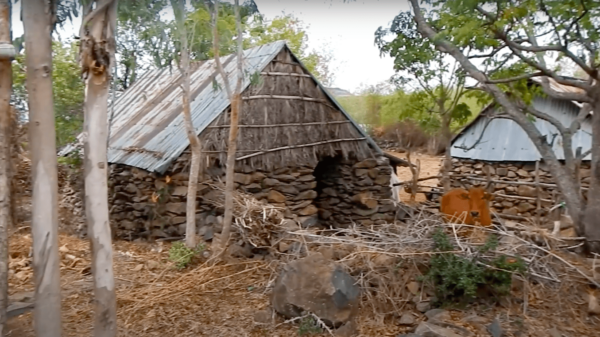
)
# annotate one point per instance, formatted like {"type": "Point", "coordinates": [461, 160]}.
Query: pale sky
{"type": "Point", "coordinates": [346, 29]}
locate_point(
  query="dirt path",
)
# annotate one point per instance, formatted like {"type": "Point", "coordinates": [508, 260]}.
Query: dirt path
{"type": "Point", "coordinates": [430, 166]}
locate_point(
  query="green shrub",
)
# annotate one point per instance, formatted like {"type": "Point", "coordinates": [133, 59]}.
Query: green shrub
{"type": "Point", "coordinates": [309, 326]}
{"type": "Point", "coordinates": [457, 278]}
{"type": "Point", "coordinates": [181, 255]}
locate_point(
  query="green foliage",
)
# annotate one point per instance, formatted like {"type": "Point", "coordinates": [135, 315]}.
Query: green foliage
{"type": "Point", "coordinates": [309, 326]}
{"type": "Point", "coordinates": [181, 255]}
{"type": "Point", "coordinates": [68, 90]}
{"type": "Point", "coordinates": [293, 31]}
{"type": "Point", "coordinates": [436, 82]}
{"type": "Point", "coordinates": [457, 278]}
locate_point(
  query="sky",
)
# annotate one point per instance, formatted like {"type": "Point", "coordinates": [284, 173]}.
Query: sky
{"type": "Point", "coordinates": [346, 29]}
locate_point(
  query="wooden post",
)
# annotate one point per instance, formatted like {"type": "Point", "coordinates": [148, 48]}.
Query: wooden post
{"type": "Point", "coordinates": [537, 192]}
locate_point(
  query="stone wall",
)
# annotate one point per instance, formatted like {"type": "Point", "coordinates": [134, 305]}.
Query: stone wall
{"type": "Point", "coordinates": [513, 199]}
{"type": "Point", "coordinates": [354, 192]}
{"type": "Point", "coordinates": [147, 205]}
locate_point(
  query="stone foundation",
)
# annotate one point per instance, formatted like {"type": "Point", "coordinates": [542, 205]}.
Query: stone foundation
{"type": "Point", "coordinates": [336, 193]}
{"type": "Point", "coordinates": [512, 199]}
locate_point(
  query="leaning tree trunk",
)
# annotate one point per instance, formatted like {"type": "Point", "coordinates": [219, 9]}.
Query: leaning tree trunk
{"type": "Point", "coordinates": [190, 228]}
{"type": "Point", "coordinates": [236, 103]}
{"type": "Point", "coordinates": [97, 58]}
{"type": "Point", "coordinates": [589, 218]}
{"type": "Point", "coordinates": [5, 159]}
{"type": "Point", "coordinates": [42, 145]}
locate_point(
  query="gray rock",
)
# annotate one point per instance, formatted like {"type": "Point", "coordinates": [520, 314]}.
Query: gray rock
{"type": "Point", "coordinates": [431, 330]}
{"type": "Point", "coordinates": [308, 221]}
{"type": "Point", "coordinates": [423, 306]}
{"type": "Point", "coordinates": [367, 163]}
{"type": "Point", "coordinates": [438, 315]}
{"type": "Point", "coordinates": [316, 285]}
{"type": "Point", "coordinates": [287, 189]}
{"type": "Point", "coordinates": [409, 335]}
{"type": "Point", "coordinates": [286, 178]}
{"type": "Point", "coordinates": [175, 207]}
{"type": "Point", "coordinates": [495, 329]}
{"type": "Point", "coordinates": [407, 319]}
{"type": "Point", "coordinates": [310, 194]}
{"type": "Point", "coordinates": [269, 182]}
{"type": "Point", "coordinates": [253, 188]}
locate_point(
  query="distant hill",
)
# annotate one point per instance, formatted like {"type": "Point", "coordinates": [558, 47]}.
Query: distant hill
{"type": "Point", "coordinates": [337, 92]}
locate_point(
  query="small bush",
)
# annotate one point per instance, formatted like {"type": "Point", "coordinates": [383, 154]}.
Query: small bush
{"type": "Point", "coordinates": [309, 326]}
{"type": "Point", "coordinates": [456, 278]}
{"type": "Point", "coordinates": [181, 255]}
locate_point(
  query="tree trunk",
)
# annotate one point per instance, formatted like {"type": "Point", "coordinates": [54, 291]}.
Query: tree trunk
{"type": "Point", "coordinates": [591, 215]}
{"type": "Point", "coordinates": [190, 229]}
{"type": "Point", "coordinates": [95, 163]}
{"type": "Point", "coordinates": [5, 160]}
{"type": "Point", "coordinates": [236, 102]}
{"type": "Point", "coordinates": [42, 144]}
{"type": "Point", "coordinates": [446, 138]}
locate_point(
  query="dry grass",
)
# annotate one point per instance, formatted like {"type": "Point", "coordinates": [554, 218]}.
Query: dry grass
{"type": "Point", "coordinates": [409, 136]}
{"type": "Point", "coordinates": [154, 299]}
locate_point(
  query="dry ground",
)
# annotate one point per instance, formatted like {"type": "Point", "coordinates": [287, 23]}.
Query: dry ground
{"type": "Point", "coordinates": [155, 299]}
{"type": "Point", "coordinates": [430, 166]}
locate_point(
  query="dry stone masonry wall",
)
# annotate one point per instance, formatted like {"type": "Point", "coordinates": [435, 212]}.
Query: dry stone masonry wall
{"type": "Point", "coordinates": [336, 193]}
{"type": "Point", "coordinates": [512, 199]}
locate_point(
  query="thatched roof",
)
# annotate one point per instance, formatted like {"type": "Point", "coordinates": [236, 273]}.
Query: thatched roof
{"type": "Point", "coordinates": [147, 129]}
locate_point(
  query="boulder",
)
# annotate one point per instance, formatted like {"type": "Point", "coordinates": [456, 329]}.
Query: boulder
{"type": "Point", "coordinates": [317, 285]}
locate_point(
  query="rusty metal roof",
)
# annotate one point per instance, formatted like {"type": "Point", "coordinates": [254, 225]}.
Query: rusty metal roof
{"type": "Point", "coordinates": [148, 131]}
{"type": "Point", "coordinates": [502, 139]}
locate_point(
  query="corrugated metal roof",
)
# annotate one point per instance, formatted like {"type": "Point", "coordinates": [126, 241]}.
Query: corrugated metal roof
{"type": "Point", "coordinates": [504, 140]}
{"type": "Point", "coordinates": [562, 88]}
{"type": "Point", "coordinates": [148, 131]}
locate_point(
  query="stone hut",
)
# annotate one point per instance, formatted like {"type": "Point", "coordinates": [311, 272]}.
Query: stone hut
{"type": "Point", "coordinates": [514, 162]}
{"type": "Point", "coordinates": [297, 148]}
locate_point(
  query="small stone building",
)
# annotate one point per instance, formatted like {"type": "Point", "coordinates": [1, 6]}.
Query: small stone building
{"type": "Point", "coordinates": [297, 148]}
{"type": "Point", "coordinates": [503, 146]}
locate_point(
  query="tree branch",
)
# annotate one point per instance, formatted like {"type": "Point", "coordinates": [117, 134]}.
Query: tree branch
{"type": "Point", "coordinates": [516, 78]}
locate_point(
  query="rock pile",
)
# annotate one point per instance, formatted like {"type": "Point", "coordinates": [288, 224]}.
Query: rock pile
{"type": "Point", "coordinates": [356, 192]}
{"type": "Point", "coordinates": [509, 198]}
{"type": "Point", "coordinates": [335, 193]}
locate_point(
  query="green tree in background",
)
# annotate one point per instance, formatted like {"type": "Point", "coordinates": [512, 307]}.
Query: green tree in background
{"type": "Point", "coordinates": [513, 41]}
{"type": "Point", "coordinates": [68, 90]}
{"type": "Point", "coordinates": [437, 81]}
{"type": "Point", "coordinates": [293, 30]}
